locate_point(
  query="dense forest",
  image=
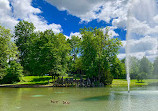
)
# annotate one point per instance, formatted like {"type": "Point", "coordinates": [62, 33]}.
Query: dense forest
{"type": "Point", "coordinates": [93, 55]}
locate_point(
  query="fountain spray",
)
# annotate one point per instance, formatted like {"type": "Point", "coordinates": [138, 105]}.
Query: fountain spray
{"type": "Point", "coordinates": [127, 50]}
{"type": "Point", "coordinates": [136, 17]}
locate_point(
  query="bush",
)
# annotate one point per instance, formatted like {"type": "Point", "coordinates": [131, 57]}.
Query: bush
{"type": "Point", "coordinates": [13, 73]}
{"type": "Point", "coordinates": [141, 76]}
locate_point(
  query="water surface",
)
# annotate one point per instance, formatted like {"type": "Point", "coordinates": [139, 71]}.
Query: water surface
{"type": "Point", "coordinates": [81, 99]}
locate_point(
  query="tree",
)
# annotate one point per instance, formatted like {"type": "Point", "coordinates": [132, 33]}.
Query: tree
{"type": "Point", "coordinates": [155, 66]}
{"type": "Point", "coordinates": [23, 39]}
{"type": "Point", "coordinates": [118, 69]}
{"type": "Point", "coordinates": [134, 65]}
{"type": "Point", "coordinates": [74, 42]}
{"type": "Point", "coordinates": [78, 66]}
{"type": "Point", "coordinates": [47, 54]}
{"type": "Point", "coordinates": [75, 46]}
{"type": "Point", "coordinates": [8, 50]}
{"type": "Point", "coordinates": [98, 51]}
{"type": "Point", "coordinates": [145, 67]}
{"type": "Point", "coordinates": [141, 76]}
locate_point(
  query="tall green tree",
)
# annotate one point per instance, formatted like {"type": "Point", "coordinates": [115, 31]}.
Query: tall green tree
{"type": "Point", "coordinates": [74, 43]}
{"type": "Point", "coordinates": [98, 53]}
{"type": "Point", "coordinates": [134, 65]}
{"type": "Point", "coordinates": [8, 50]}
{"type": "Point", "coordinates": [75, 46]}
{"type": "Point", "coordinates": [48, 53]}
{"type": "Point", "coordinates": [23, 39]}
{"type": "Point", "coordinates": [41, 52]}
{"type": "Point", "coordinates": [146, 67]}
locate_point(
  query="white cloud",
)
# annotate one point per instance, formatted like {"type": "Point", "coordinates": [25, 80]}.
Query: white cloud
{"type": "Point", "coordinates": [88, 10]}
{"type": "Point", "coordinates": [142, 29]}
{"type": "Point", "coordinates": [142, 45]}
{"type": "Point", "coordinates": [6, 17]}
{"type": "Point", "coordinates": [111, 32]}
{"type": "Point", "coordinates": [11, 11]}
{"type": "Point", "coordinates": [23, 9]}
{"type": "Point", "coordinates": [156, 18]}
{"type": "Point", "coordinates": [75, 34]}
{"type": "Point", "coordinates": [146, 46]}
{"type": "Point", "coordinates": [142, 20]}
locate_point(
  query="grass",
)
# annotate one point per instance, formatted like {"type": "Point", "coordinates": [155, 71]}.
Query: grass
{"type": "Point", "coordinates": [35, 80]}
{"type": "Point", "coordinates": [134, 82]}
{"type": "Point", "coordinates": [43, 80]}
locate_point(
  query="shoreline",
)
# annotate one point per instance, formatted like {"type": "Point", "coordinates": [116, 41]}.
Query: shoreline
{"type": "Point", "coordinates": [115, 83]}
{"type": "Point", "coordinates": [46, 86]}
{"type": "Point", "coordinates": [24, 86]}
{"type": "Point", "coordinates": [36, 86]}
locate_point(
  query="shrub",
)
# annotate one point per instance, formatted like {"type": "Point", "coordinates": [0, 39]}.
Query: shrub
{"type": "Point", "coordinates": [13, 73]}
{"type": "Point", "coordinates": [141, 76]}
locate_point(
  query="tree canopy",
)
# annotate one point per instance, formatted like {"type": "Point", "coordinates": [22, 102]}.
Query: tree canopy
{"type": "Point", "coordinates": [98, 52]}
{"type": "Point", "coordinates": [94, 54]}
{"type": "Point", "coordinates": [8, 54]}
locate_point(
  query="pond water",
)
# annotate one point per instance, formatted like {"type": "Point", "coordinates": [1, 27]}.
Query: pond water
{"type": "Point", "coordinates": [81, 99]}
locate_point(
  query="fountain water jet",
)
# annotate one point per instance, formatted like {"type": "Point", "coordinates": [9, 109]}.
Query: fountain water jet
{"type": "Point", "coordinates": [141, 32]}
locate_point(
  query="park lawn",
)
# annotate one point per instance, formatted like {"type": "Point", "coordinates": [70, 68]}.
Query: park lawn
{"type": "Point", "coordinates": [35, 80]}
{"type": "Point", "coordinates": [43, 80]}
{"type": "Point", "coordinates": [133, 82]}
{"type": "Point", "coordinates": [39, 79]}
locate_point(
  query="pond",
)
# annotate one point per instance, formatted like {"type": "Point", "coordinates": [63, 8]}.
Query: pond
{"type": "Point", "coordinates": [81, 99]}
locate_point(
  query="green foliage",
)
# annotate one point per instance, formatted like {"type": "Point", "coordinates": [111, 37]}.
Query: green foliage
{"type": "Point", "coordinates": [78, 66]}
{"type": "Point", "coordinates": [145, 66]}
{"type": "Point", "coordinates": [41, 52]}
{"type": "Point", "coordinates": [35, 80]}
{"type": "Point", "coordinates": [23, 38]}
{"type": "Point", "coordinates": [74, 43]}
{"type": "Point", "coordinates": [134, 67]}
{"type": "Point", "coordinates": [13, 73]}
{"type": "Point", "coordinates": [98, 53]}
{"type": "Point", "coordinates": [140, 69]}
{"type": "Point", "coordinates": [49, 54]}
{"type": "Point", "coordinates": [8, 50]}
{"type": "Point", "coordinates": [118, 69]}
{"type": "Point", "coordinates": [141, 76]}
{"type": "Point", "coordinates": [45, 52]}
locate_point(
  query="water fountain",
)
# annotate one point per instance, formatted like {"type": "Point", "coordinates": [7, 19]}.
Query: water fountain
{"type": "Point", "coordinates": [142, 33]}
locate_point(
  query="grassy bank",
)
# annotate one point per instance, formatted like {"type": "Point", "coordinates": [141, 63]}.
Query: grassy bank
{"type": "Point", "coordinates": [134, 82]}
{"type": "Point", "coordinates": [35, 80]}
{"type": "Point", "coordinates": [44, 80]}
